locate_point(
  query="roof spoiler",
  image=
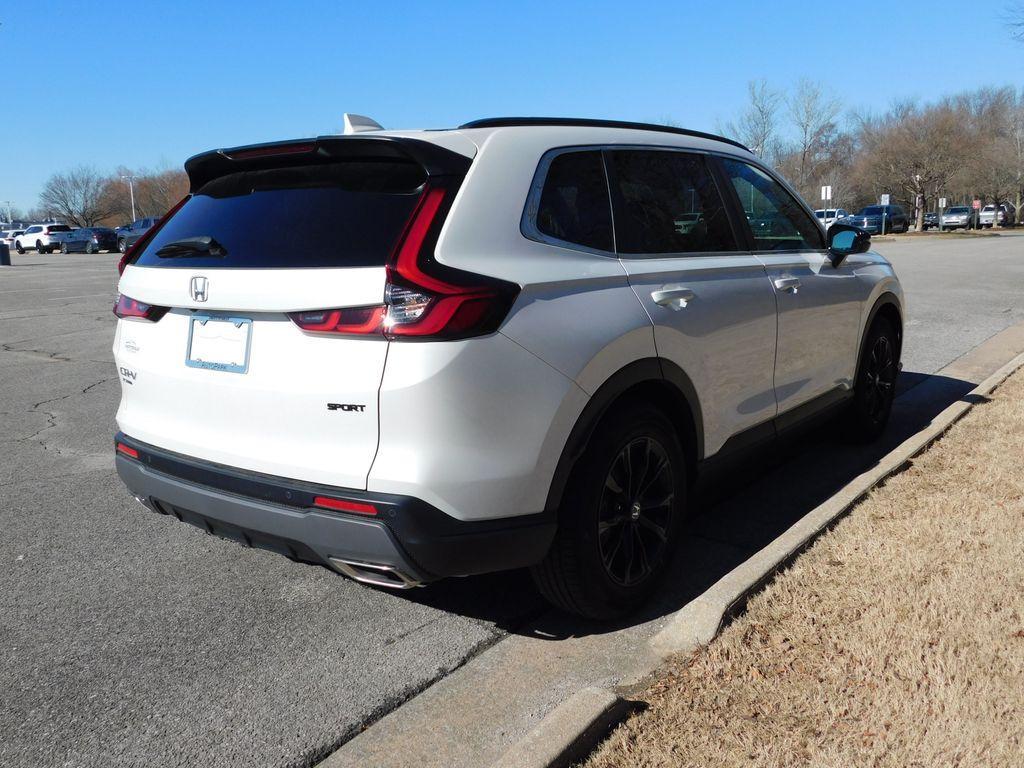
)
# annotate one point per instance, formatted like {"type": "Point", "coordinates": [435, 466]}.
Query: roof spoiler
{"type": "Point", "coordinates": [435, 160]}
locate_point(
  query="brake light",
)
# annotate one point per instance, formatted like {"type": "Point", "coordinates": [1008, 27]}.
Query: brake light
{"type": "Point", "coordinates": [422, 299]}
{"type": "Point", "coordinates": [344, 505]}
{"type": "Point", "coordinates": [126, 306]}
{"type": "Point", "coordinates": [139, 244]}
{"type": "Point", "coordinates": [274, 149]}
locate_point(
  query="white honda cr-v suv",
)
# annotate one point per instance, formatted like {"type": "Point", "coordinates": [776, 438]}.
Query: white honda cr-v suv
{"type": "Point", "coordinates": [516, 343]}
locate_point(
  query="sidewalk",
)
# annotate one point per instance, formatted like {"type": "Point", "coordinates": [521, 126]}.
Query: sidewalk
{"type": "Point", "coordinates": [897, 639]}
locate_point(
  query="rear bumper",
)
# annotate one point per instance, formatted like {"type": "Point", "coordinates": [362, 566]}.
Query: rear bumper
{"type": "Point", "coordinates": [408, 542]}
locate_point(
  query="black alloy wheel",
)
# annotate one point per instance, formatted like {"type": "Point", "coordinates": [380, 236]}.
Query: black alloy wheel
{"type": "Point", "coordinates": [635, 514]}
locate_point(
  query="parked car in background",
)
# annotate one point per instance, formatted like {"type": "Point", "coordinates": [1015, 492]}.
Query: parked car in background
{"type": "Point", "coordinates": [339, 402]}
{"type": "Point", "coordinates": [871, 219]}
{"type": "Point", "coordinates": [8, 236]}
{"type": "Point", "coordinates": [1007, 216]}
{"type": "Point", "coordinates": [829, 216]}
{"type": "Point", "coordinates": [89, 240]}
{"type": "Point", "coordinates": [126, 236]}
{"type": "Point", "coordinates": [930, 220]}
{"type": "Point", "coordinates": [957, 217]}
{"type": "Point", "coordinates": [44, 238]}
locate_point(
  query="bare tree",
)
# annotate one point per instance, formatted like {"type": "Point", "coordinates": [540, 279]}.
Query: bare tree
{"type": "Point", "coordinates": [757, 126]}
{"type": "Point", "coordinates": [75, 196]}
{"type": "Point", "coordinates": [155, 193]}
{"type": "Point", "coordinates": [912, 152]}
{"type": "Point", "coordinates": [813, 116]}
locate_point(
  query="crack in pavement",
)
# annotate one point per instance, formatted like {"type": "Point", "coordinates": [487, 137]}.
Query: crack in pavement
{"type": "Point", "coordinates": [51, 416]}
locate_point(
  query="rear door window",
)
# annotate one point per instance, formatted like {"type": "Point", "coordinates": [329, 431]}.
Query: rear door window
{"type": "Point", "coordinates": [777, 221]}
{"type": "Point", "coordinates": [665, 203]}
{"type": "Point", "coordinates": [346, 214]}
{"type": "Point", "coordinates": [574, 205]}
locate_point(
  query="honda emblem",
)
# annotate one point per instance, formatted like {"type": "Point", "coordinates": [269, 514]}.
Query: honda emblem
{"type": "Point", "coordinates": [198, 287]}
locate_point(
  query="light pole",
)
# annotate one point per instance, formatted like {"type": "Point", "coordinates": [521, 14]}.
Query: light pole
{"type": "Point", "coordinates": [131, 191]}
{"type": "Point", "coordinates": [9, 211]}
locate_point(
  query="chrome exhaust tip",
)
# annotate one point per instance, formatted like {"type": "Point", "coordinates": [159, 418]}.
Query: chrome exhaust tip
{"type": "Point", "coordinates": [372, 573]}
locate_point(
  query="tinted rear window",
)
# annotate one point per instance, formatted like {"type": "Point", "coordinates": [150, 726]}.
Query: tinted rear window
{"type": "Point", "coordinates": [666, 202]}
{"type": "Point", "coordinates": [337, 215]}
{"type": "Point", "coordinates": [59, 228]}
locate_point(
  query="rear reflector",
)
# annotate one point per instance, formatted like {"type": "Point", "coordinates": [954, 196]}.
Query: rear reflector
{"type": "Point", "coordinates": [127, 450]}
{"type": "Point", "coordinates": [125, 306]}
{"type": "Point", "coordinates": [344, 505]}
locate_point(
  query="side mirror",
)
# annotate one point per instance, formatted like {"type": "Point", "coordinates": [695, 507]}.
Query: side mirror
{"type": "Point", "coordinates": [844, 239]}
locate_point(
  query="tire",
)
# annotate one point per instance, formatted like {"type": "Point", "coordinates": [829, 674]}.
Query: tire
{"type": "Point", "coordinates": [39, 247]}
{"type": "Point", "coordinates": [89, 248]}
{"type": "Point", "coordinates": [120, 245]}
{"type": "Point", "coordinates": [19, 247]}
{"type": "Point", "coordinates": [875, 387]}
{"type": "Point", "coordinates": [629, 488]}
{"type": "Point", "coordinates": [64, 248]}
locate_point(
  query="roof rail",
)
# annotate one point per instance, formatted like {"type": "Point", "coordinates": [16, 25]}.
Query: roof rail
{"type": "Point", "coordinates": [507, 122]}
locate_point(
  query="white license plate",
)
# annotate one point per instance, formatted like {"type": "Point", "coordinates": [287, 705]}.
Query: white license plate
{"type": "Point", "coordinates": [219, 343]}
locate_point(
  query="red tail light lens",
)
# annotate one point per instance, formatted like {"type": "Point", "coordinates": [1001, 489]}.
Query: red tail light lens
{"type": "Point", "coordinates": [422, 298]}
{"type": "Point", "coordinates": [353, 320]}
{"type": "Point", "coordinates": [126, 306]}
{"type": "Point", "coordinates": [344, 505]}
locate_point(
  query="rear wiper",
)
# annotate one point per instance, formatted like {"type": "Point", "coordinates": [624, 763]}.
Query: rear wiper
{"type": "Point", "coordinates": [189, 246]}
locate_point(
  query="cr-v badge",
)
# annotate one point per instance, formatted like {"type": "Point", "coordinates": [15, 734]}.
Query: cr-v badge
{"type": "Point", "coordinates": [198, 287]}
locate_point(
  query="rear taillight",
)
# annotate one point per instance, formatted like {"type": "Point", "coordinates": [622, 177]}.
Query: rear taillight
{"type": "Point", "coordinates": [422, 298]}
{"type": "Point", "coordinates": [138, 245]}
{"type": "Point", "coordinates": [126, 306]}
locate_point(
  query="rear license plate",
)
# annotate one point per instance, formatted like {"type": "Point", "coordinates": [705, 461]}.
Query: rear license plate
{"type": "Point", "coordinates": [219, 343]}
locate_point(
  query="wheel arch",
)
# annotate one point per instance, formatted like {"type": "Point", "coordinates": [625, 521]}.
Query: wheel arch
{"type": "Point", "coordinates": [888, 306]}
{"type": "Point", "coordinates": [650, 379]}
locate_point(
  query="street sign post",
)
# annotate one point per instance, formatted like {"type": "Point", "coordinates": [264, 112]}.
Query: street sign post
{"type": "Point", "coordinates": [976, 205]}
{"type": "Point", "coordinates": [942, 207]}
{"type": "Point", "coordinates": [885, 201]}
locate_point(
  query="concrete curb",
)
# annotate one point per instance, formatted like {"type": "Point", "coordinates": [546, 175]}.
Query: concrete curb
{"type": "Point", "coordinates": [566, 734]}
{"type": "Point", "coordinates": [573, 729]}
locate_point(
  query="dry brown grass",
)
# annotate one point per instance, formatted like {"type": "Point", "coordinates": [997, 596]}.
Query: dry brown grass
{"type": "Point", "coordinates": [896, 640]}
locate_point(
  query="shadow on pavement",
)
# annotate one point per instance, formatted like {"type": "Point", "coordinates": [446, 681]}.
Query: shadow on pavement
{"type": "Point", "coordinates": [728, 525]}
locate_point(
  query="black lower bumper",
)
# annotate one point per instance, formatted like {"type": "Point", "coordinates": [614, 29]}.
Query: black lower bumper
{"type": "Point", "coordinates": [407, 536]}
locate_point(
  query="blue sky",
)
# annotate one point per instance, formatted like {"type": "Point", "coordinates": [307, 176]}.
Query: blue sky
{"type": "Point", "coordinates": [146, 84]}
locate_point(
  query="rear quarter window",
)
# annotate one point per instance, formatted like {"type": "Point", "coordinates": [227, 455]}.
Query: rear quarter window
{"type": "Point", "coordinates": [346, 214]}
{"type": "Point", "coordinates": [574, 207]}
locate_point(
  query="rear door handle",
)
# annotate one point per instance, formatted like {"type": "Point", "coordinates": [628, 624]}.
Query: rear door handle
{"type": "Point", "coordinates": [672, 296]}
{"type": "Point", "coordinates": [788, 284]}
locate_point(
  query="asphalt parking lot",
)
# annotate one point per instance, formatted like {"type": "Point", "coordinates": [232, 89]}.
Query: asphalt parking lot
{"type": "Point", "coordinates": [127, 638]}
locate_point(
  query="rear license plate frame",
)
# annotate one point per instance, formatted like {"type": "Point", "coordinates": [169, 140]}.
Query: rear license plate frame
{"type": "Point", "coordinates": [212, 365]}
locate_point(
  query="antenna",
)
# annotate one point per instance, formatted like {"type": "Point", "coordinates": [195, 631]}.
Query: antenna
{"type": "Point", "coordinates": [360, 124]}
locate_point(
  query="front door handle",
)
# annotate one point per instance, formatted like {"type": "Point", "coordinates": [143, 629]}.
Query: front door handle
{"type": "Point", "coordinates": [672, 296]}
{"type": "Point", "coordinates": [788, 284]}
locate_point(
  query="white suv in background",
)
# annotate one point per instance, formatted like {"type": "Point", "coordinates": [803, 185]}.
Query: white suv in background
{"type": "Point", "coordinates": [515, 343]}
{"type": "Point", "coordinates": [44, 238]}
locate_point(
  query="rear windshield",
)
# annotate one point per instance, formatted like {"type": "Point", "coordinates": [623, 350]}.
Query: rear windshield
{"type": "Point", "coordinates": [59, 228]}
{"type": "Point", "coordinates": [871, 210]}
{"type": "Point", "coordinates": [339, 215]}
